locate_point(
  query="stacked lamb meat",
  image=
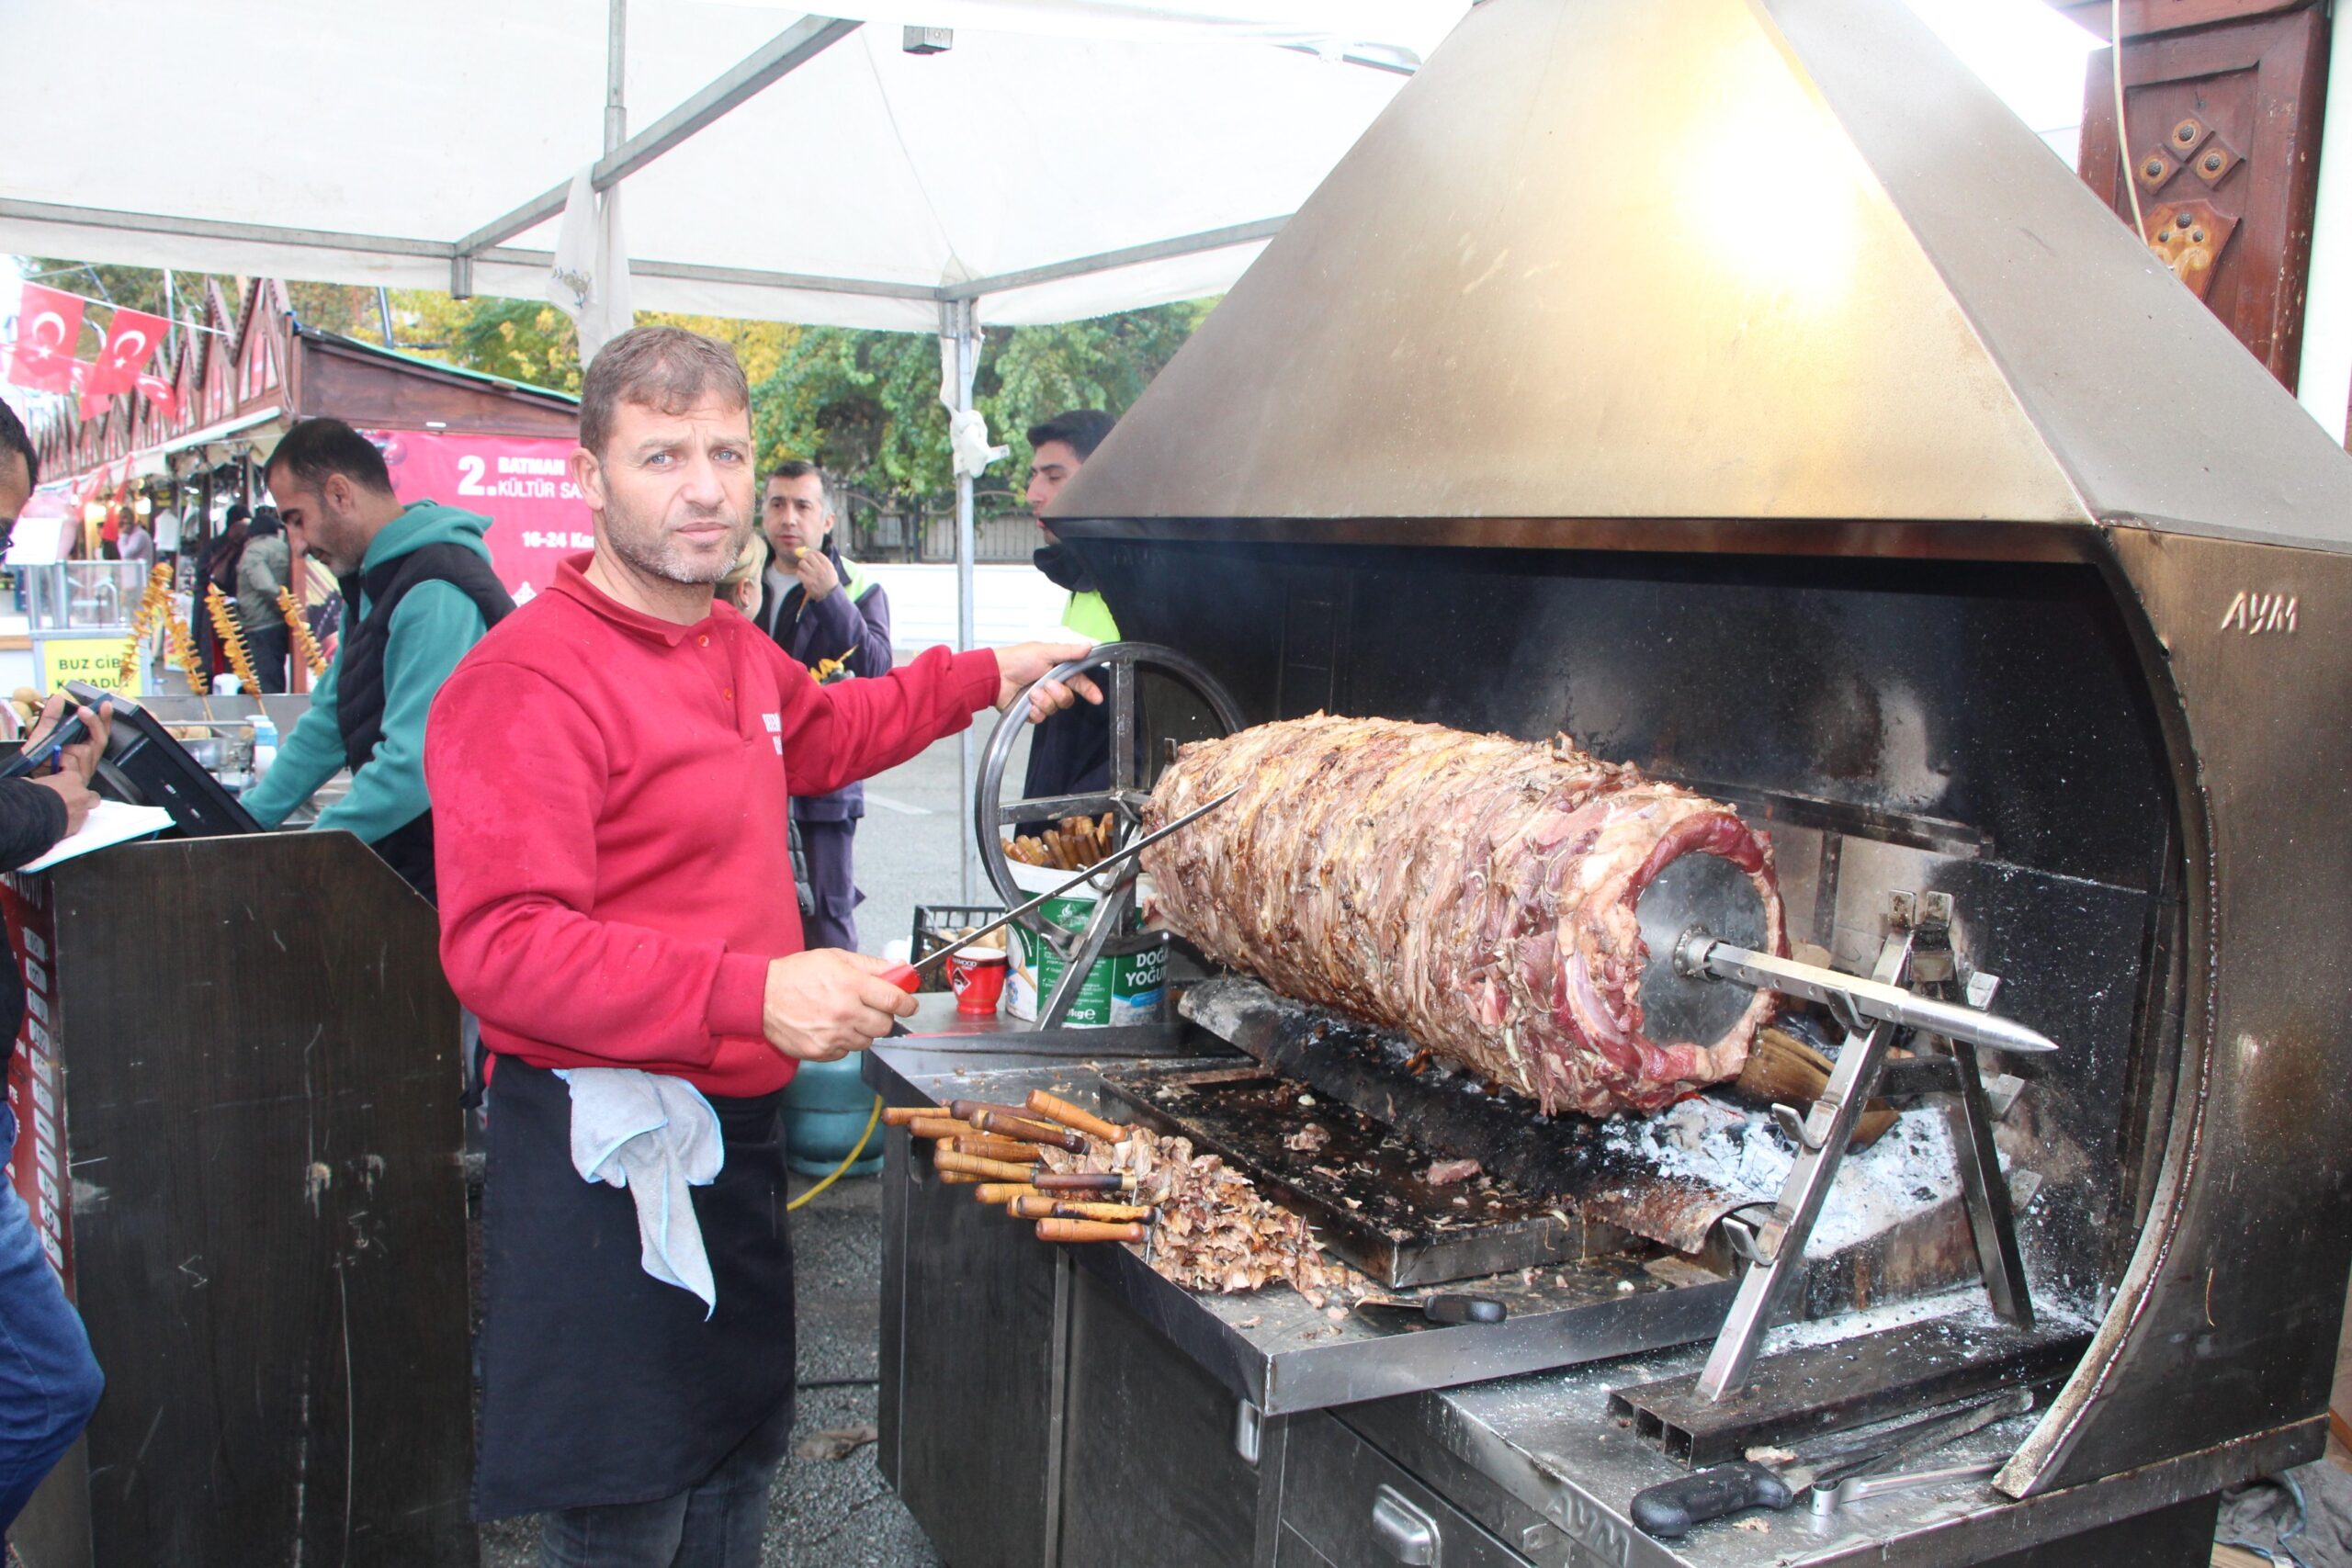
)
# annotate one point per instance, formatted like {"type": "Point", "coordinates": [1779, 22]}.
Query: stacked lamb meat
{"type": "Point", "coordinates": [1475, 891]}
{"type": "Point", "coordinates": [1215, 1231]}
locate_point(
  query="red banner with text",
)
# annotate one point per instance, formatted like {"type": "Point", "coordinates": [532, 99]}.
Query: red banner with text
{"type": "Point", "coordinates": [516, 481]}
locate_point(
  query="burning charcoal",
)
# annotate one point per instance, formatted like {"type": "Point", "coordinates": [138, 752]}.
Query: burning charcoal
{"type": "Point", "coordinates": [1445, 1172]}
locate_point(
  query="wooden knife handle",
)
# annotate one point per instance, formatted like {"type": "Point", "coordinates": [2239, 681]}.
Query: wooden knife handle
{"type": "Point", "coordinates": [1056, 1109]}
{"type": "Point", "coordinates": [986, 1170]}
{"type": "Point", "coordinates": [901, 1115]}
{"type": "Point", "coordinates": [1029, 1130]}
{"type": "Point", "coordinates": [958, 1178]}
{"type": "Point", "coordinates": [1086, 1230]}
{"type": "Point", "coordinates": [1036, 1206]}
{"type": "Point", "coordinates": [938, 1127]}
{"type": "Point", "coordinates": [1005, 1150]}
{"type": "Point", "coordinates": [1082, 1182]}
{"type": "Point", "coordinates": [1004, 1191]}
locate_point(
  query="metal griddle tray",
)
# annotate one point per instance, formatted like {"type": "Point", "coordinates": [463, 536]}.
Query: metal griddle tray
{"type": "Point", "coordinates": [1362, 1185]}
{"type": "Point", "coordinates": [1285, 1356]}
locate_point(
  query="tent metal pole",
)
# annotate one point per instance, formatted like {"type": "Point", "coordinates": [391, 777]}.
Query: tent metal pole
{"type": "Point", "coordinates": [1105, 261]}
{"type": "Point", "coordinates": [460, 260]}
{"type": "Point", "coordinates": [789, 50]}
{"type": "Point", "coordinates": [959, 320]}
{"type": "Point", "coordinates": [616, 74]}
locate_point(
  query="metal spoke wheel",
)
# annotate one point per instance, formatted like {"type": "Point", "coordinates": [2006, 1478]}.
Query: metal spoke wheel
{"type": "Point", "coordinates": [1115, 667]}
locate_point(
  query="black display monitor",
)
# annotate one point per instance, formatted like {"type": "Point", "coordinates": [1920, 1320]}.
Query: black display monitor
{"type": "Point", "coordinates": [144, 766]}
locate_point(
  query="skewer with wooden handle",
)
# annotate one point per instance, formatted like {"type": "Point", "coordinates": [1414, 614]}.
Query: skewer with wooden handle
{"type": "Point", "coordinates": [1045, 1206]}
{"type": "Point", "coordinates": [1029, 1130]}
{"type": "Point", "coordinates": [986, 1147]}
{"type": "Point", "coordinates": [1087, 1230]}
{"type": "Point", "coordinates": [1004, 1191]}
{"type": "Point", "coordinates": [939, 1127]}
{"type": "Point", "coordinates": [1082, 1182]}
{"type": "Point", "coordinates": [904, 1115]}
{"type": "Point", "coordinates": [985, 1169]}
{"type": "Point", "coordinates": [1056, 1109]}
{"type": "Point", "coordinates": [969, 1109]}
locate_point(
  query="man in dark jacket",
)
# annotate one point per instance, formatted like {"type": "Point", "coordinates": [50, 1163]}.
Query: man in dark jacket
{"type": "Point", "coordinates": [48, 1381]}
{"type": "Point", "coordinates": [1070, 752]}
{"type": "Point", "coordinates": [824, 610]}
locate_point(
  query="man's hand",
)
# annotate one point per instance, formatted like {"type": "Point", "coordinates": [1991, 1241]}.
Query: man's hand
{"type": "Point", "coordinates": [1024, 661]}
{"type": "Point", "coordinates": [825, 1003]}
{"type": "Point", "coordinates": [75, 763]}
{"type": "Point", "coordinates": [816, 572]}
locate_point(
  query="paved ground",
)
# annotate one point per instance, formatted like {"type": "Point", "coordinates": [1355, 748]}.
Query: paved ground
{"type": "Point", "coordinates": [907, 845]}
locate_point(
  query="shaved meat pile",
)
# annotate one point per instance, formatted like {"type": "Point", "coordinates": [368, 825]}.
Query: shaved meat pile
{"type": "Point", "coordinates": [1474, 891]}
{"type": "Point", "coordinates": [1215, 1231]}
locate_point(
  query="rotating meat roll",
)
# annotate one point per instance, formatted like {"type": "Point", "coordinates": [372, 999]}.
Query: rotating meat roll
{"type": "Point", "coordinates": [1476, 892]}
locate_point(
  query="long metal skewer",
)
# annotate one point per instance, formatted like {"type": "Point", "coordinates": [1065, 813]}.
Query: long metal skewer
{"type": "Point", "coordinates": [1857, 1002]}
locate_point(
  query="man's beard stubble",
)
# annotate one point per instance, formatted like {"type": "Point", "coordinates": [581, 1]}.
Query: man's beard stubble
{"type": "Point", "coordinates": [654, 550]}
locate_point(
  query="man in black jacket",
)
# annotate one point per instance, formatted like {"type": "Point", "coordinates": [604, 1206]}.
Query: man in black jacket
{"type": "Point", "coordinates": [824, 610]}
{"type": "Point", "coordinates": [48, 1381]}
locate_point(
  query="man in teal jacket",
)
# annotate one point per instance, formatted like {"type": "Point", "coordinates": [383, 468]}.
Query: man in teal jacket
{"type": "Point", "coordinates": [418, 592]}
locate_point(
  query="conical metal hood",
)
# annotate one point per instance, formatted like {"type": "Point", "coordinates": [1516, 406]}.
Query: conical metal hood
{"type": "Point", "coordinates": [1771, 260]}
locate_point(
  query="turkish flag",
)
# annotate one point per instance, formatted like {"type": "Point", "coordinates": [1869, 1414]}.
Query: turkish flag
{"type": "Point", "coordinates": [161, 394]}
{"type": "Point", "coordinates": [94, 404]}
{"type": "Point", "coordinates": [130, 344]}
{"type": "Point", "coordinates": [48, 326]}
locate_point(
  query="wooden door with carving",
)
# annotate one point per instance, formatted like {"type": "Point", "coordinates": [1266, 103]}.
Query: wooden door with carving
{"type": "Point", "coordinates": [2224, 100]}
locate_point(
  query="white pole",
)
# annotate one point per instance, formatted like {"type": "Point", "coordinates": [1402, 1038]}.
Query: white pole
{"type": "Point", "coordinates": [616, 73]}
{"type": "Point", "coordinates": [962, 319]}
{"type": "Point", "coordinates": [2324, 383]}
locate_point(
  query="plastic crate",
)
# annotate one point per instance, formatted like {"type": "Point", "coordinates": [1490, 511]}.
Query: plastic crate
{"type": "Point", "coordinates": [931, 921]}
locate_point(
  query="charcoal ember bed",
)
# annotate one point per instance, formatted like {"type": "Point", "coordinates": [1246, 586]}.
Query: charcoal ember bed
{"type": "Point", "coordinates": [1364, 1186]}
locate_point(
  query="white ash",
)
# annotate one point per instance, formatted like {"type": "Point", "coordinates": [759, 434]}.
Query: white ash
{"type": "Point", "coordinates": [1907, 1172]}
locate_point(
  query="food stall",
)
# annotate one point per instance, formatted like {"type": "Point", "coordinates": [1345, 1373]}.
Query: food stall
{"type": "Point", "coordinates": [1738, 392]}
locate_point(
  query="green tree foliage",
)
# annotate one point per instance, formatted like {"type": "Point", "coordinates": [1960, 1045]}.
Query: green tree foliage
{"type": "Point", "coordinates": [866, 404]}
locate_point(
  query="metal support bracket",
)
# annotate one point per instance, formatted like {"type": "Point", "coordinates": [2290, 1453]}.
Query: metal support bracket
{"type": "Point", "coordinates": [1771, 1244]}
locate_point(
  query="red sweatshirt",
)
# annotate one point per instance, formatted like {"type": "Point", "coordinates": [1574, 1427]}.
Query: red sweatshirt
{"type": "Point", "coordinates": [609, 823]}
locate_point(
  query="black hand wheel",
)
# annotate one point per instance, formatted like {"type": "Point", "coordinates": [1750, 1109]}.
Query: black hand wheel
{"type": "Point", "coordinates": [1115, 667]}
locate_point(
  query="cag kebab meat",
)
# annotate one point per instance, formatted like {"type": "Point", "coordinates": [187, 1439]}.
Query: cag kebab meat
{"type": "Point", "coordinates": [1474, 891]}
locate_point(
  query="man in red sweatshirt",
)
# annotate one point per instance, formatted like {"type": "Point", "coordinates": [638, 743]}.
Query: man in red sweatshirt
{"type": "Point", "coordinates": [609, 768]}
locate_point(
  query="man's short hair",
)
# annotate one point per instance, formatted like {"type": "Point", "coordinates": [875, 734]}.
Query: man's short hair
{"type": "Point", "coordinates": [238, 513]}
{"type": "Point", "coordinates": [317, 447]}
{"type": "Point", "coordinates": [668, 368]}
{"type": "Point", "coordinates": [1080, 430]}
{"type": "Point", "coordinates": [800, 469]}
{"type": "Point", "coordinates": [14, 438]}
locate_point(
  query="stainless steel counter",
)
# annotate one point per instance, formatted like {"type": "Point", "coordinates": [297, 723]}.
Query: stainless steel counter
{"type": "Point", "coordinates": [1069, 1407]}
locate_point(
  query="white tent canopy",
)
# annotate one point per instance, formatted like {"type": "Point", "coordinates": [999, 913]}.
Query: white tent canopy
{"type": "Point", "coordinates": [825, 174]}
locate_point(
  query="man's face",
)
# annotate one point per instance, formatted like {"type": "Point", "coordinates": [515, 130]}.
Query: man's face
{"type": "Point", "coordinates": [795, 517]}
{"type": "Point", "coordinates": [673, 491]}
{"type": "Point", "coordinates": [1050, 469]}
{"type": "Point", "coordinates": [323, 518]}
{"type": "Point", "coordinates": [15, 488]}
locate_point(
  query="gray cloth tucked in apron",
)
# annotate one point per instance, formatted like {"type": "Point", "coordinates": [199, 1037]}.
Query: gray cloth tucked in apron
{"type": "Point", "coordinates": [600, 1383]}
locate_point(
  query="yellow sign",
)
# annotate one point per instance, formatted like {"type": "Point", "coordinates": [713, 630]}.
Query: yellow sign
{"type": "Point", "coordinates": [96, 660]}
